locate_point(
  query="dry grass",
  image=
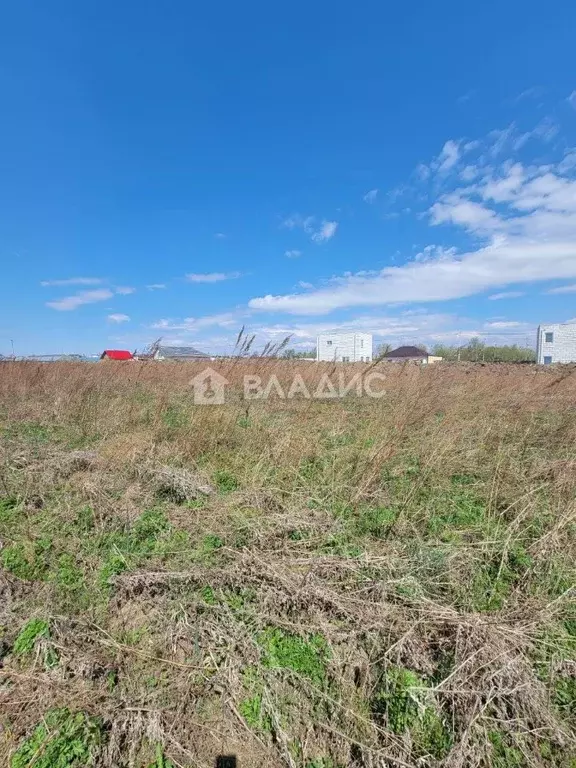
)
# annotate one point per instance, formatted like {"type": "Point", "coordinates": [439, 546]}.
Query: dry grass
{"type": "Point", "coordinates": [300, 583]}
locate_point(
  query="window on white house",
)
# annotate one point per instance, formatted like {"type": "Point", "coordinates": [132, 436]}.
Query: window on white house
{"type": "Point", "coordinates": [329, 342]}
{"type": "Point", "coordinates": [345, 359]}
{"type": "Point", "coordinates": [361, 342]}
{"type": "Point", "coordinates": [549, 337]}
{"type": "Point", "coordinates": [547, 360]}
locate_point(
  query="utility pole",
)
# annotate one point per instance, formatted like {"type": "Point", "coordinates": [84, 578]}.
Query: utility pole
{"type": "Point", "coordinates": [12, 343]}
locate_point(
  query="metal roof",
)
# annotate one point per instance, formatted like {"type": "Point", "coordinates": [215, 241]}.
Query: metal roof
{"type": "Point", "coordinates": [175, 352]}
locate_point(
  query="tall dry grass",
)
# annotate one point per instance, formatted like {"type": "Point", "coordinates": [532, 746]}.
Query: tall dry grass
{"type": "Point", "coordinates": [356, 582]}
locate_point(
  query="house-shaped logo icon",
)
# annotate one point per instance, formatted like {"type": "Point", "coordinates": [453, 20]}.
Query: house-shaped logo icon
{"type": "Point", "coordinates": [209, 388]}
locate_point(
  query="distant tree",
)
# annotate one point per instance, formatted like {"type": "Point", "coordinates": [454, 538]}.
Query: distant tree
{"type": "Point", "coordinates": [382, 349]}
{"type": "Point", "coordinates": [476, 351]}
{"type": "Point", "coordinates": [296, 354]}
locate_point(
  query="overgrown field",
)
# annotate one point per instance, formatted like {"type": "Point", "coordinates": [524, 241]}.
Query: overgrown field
{"type": "Point", "coordinates": [360, 582]}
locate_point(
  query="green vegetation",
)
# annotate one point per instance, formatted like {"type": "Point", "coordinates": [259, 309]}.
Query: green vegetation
{"type": "Point", "coordinates": [476, 350]}
{"type": "Point", "coordinates": [406, 705]}
{"type": "Point", "coordinates": [288, 651]}
{"type": "Point", "coordinates": [62, 740]}
{"type": "Point", "coordinates": [32, 631]}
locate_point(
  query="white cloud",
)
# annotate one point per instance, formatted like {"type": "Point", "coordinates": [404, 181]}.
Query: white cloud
{"type": "Point", "coordinates": [563, 289]}
{"type": "Point", "coordinates": [546, 130]}
{"type": "Point", "coordinates": [326, 232]}
{"type": "Point", "coordinates": [530, 93]}
{"type": "Point", "coordinates": [318, 233]}
{"type": "Point", "coordinates": [569, 162]}
{"type": "Point", "coordinates": [223, 319]}
{"type": "Point", "coordinates": [83, 297]}
{"type": "Point", "coordinates": [449, 156]}
{"type": "Point", "coordinates": [525, 218]}
{"type": "Point", "coordinates": [73, 281]}
{"type": "Point", "coordinates": [294, 254]}
{"type": "Point", "coordinates": [211, 277]}
{"type": "Point", "coordinates": [156, 286]}
{"type": "Point", "coordinates": [118, 318]}
{"type": "Point", "coordinates": [220, 236]}
{"type": "Point", "coordinates": [505, 324]}
{"type": "Point", "coordinates": [370, 197]}
{"type": "Point", "coordinates": [124, 290]}
{"type": "Point", "coordinates": [572, 99]}
{"type": "Point", "coordinates": [506, 295]}
{"type": "Point", "coordinates": [500, 138]}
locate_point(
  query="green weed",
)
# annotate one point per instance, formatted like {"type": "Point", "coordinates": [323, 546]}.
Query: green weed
{"type": "Point", "coordinates": [405, 705]}
{"type": "Point", "coordinates": [374, 521]}
{"type": "Point", "coordinates": [29, 561]}
{"type": "Point", "coordinates": [503, 754]}
{"type": "Point", "coordinates": [30, 633]}
{"type": "Point", "coordinates": [225, 481]}
{"type": "Point", "coordinates": [161, 761]}
{"type": "Point", "coordinates": [62, 740]}
{"type": "Point", "coordinates": [283, 650]}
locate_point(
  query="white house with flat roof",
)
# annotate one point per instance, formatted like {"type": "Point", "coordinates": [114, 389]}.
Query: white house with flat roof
{"type": "Point", "coordinates": [556, 343]}
{"type": "Point", "coordinates": [341, 347]}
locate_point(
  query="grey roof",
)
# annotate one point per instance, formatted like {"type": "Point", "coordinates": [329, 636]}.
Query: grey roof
{"type": "Point", "coordinates": [175, 352]}
{"type": "Point", "coordinates": [406, 352]}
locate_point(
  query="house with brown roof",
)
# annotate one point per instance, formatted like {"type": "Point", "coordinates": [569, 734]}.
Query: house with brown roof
{"type": "Point", "coordinates": [414, 354]}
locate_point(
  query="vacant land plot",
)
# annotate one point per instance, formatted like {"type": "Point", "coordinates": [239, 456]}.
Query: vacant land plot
{"type": "Point", "coordinates": [298, 583]}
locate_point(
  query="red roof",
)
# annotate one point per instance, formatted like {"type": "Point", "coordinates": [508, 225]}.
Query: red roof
{"type": "Point", "coordinates": [116, 354]}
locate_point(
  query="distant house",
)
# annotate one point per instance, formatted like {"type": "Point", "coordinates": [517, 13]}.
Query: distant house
{"type": "Point", "coordinates": [116, 354]}
{"type": "Point", "coordinates": [556, 343]}
{"type": "Point", "coordinates": [403, 354]}
{"type": "Point", "coordinates": [341, 347]}
{"type": "Point", "coordinates": [179, 353]}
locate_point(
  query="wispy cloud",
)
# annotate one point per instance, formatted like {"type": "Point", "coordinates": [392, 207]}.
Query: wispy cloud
{"type": "Point", "coordinates": [326, 232]}
{"type": "Point", "coordinates": [572, 99]}
{"type": "Point", "coordinates": [223, 319]}
{"type": "Point", "coordinates": [211, 277]}
{"type": "Point", "coordinates": [69, 303]}
{"type": "Point", "coordinates": [318, 232]}
{"type": "Point", "coordinates": [563, 289]}
{"type": "Point", "coordinates": [506, 295]}
{"type": "Point", "coordinates": [521, 224]}
{"type": "Point", "coordinates": [118, 318]}
{"type": "Point", "coordinates": [505, 324]}
{"type": "Point", "coordinates": [370, 197]}
{"type": "Point", "coordinates": [220, 236]}
{"type": "Point", "coordinates": [125, 290]}
{"type": "Point", "coordinates": [535, 92]}
{"type": "Point", "coordinates": [73, 281]}
{"type": "Point", "coordinates": [294, 254]}
{"type": "Point", "coordinates": [449, 156]}
{"type": "Point", "coordinates": [156, 286]}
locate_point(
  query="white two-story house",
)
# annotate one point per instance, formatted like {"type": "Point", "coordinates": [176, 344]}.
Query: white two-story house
{"type": "Point", "coordinates": [556, 343]}
{"type": "Point", "coordinates": [344, 347]}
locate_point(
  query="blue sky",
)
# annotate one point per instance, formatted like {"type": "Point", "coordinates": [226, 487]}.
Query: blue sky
{"type": "Point", "coordinates": [181, 169]}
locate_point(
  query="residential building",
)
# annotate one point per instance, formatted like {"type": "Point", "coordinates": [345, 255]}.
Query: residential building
{"type": "Point", "coordinates": [179, 353]}
{"type": "Point", "coordinates": [116, 354]}
{"type": "Point", "coordinates": [344, 347]}
{"type": "Point", "coordinates": [556, 343]}
{"type": "Point", "coordinates": [404, 354]}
